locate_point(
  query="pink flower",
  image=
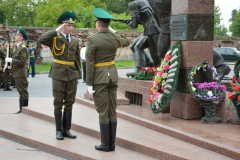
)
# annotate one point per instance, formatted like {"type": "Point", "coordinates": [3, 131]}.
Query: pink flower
{"type": "Point", "coordinates": [155, 91]}
{"type": "Point", "coordinates": [161, 73]}
{"type": "Point", "coordinates": [157, 95]}
{"type": "Point", "coordinates": [167, 57]}
{"type": "Point", "coordinates": [162, 88]}
{"type": "Point", "coordinates": [165, 67]}
{"type": "Point", "coordinates": [152, 99]}
{"type": "Point", "coordinates": [156, 83]}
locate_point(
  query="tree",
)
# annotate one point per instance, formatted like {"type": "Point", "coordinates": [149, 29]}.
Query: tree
{"type": "Point", "coordinates": [232, 19]}
{"type": "Point", "coordinates": [223, 31]}
{"type": "Point", "coordinates": [19, 12]}
{"type": "Point", "coordinates": [235, 26]}
{"type": "Point", "coordinates": [2, 17]}
{"type": "Point", "coordinates": [217, 20]}
{"type": "Point", "coordinates": [117, 6]}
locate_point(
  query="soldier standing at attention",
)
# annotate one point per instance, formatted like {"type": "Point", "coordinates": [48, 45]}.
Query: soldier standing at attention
{"type": "Point", "coordinates": [6, 81]}
{"type": "Point", "coordinates": [32, 56]}
{"type": "Point", "coordinates": [18, 61]}
{"type": "Point", "coordinates": [102, 76]}
{"type": "Point", "coordinates": [1, 74]}
{"type": "Point", "coordinates": [65, 71]}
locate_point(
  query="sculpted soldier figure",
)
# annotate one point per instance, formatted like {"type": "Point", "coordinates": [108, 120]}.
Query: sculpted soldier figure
{"type": "Point", "coordinates": [102, 76]}
{"type": "Point", "coordinates": [65, 71]}
{"type": "Point", "coordinates": [141, 13]}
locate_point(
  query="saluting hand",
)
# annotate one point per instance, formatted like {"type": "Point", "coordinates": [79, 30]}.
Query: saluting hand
{"type": "Point", "coordinates": [59, 28]}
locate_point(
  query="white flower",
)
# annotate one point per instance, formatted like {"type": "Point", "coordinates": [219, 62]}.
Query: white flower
{"type": "Point", "coordinates": [160, 98]}
{"type": "Point", "coordinates": [172, 70]}
{"type": "Point", "coordinates": [166, 91]}
{"type": "Point", "coordinates": [156, 104]}
{"type": "Point", "coordinates": [210, 94]}
{"type": "Point", "coordinates": [171, 75]}
{"type": "Point", "coordinates": [173, 65]}
{"type": "Point", "coordinates": [173, 58]}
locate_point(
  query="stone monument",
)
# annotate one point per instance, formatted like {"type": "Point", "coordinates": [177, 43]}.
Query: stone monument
{"type": "Point", "coordinates": [192, 22]}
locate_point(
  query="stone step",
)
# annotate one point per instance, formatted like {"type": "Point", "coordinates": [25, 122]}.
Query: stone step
{"type": "Point", "coordinates": [220, 138]}
{"type": "Point", "coordinates": [40, 134]}
{"type": "Point", "coordinates": [129, 135]}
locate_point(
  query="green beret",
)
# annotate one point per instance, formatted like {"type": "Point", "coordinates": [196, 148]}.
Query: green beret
{"type": "Point", "coordinates": [22, 32]}
{"type": "Point", "coordinates": [67, 17]}
{"type": "Point", "coordinates": [102, 15]}
{"type": "Point", "coordinates": [30, 41]}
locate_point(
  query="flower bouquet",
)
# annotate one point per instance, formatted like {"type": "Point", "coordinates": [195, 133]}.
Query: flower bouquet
{"type": "Point", "coordinates": [206, 92]}
{"type": "Point", "coordinates": [145, 74]}
{"type": "Point", "coordinates": [164, 82]}
{"type": "Point", "coordinates": [234, 97]}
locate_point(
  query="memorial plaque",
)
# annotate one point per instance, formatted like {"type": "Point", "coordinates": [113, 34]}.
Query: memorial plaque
{"type": "Point", "coordinates": [178, 27]}
{"type": "Point", "coordinates": [192, 28]}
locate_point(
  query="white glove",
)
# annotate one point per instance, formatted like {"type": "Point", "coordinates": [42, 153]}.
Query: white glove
{"type": "Point", "coordinates": [8, 60]}
{"type": "Point", "coordinates": [112, 30]}
{"type": "Point", "coordinates": [90, 90]}
{"type": "Point", "coordinates": [59, 28]}
{"type": "Point", "coordinates": [9, 67]}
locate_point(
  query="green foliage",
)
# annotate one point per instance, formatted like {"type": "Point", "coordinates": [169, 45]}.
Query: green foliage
{"type": "Point", "coordinates": [219, 30]}
{"type": "Point", "coordinates": [223, 31]}
{"type": "Point", "coordinates": [234, 12]}
{"type": "Point", "coordinates": [2, 16]}
{"type": "Point", "coordinates": [19, 14]}
{"type": "Point", "coordinates": [117, 6]}
{"type": "Point", "coordinates": [144, 75]}
{"type": "Point", "coordinates": [235, 26]}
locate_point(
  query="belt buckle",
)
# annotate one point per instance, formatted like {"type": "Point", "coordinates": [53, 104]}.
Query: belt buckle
{"type": "Point", "coordinates": [67, 62]}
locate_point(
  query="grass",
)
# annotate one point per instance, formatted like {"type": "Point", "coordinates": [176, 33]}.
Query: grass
{"type": "Point", "coordinates": [45, 67]}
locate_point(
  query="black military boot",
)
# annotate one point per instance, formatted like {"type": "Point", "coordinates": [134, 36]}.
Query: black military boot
{"type": "Point", "coordinates": [22, 103]}
{"type": "Point", "coordinates": [58, 121]}
{"type": "Point", "coordinates": [105, 138]}
{"type": "Point", "coordinates": [5, 88]}
{"type": "Point", "coordinates": [67, 119]}
{"type": "Point", "coordinates": [136, 70]}
{"type": "Point", "coordinates": [113, 129]}
{"type": "Point", "coordinates": [218, 62]}
{"type": "Point", "coordinates": [2, 85]}
{"type": "Point", "coordinates": [8, 88]}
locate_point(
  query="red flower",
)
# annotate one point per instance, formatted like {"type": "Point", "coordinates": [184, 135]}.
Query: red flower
{"type": "Point", "coordinates": [167, 57]}
{"type": "Point", "coordinates": [150, 68]}
{"type": "Point", "coordinates": [165, 67]}
{"type": "Point", "coordinates": [149, 90]}
{"type": "Point", "coordinates": [231, 95]}
{"type": "Point", "coordinates": [237, 88]}
{"type": "Point", "coordinates": [234, 85]}
{"type": "Point", "coordinates": [162, 88]}
{"type": "Point", "coordinates": [234, 79]}
{"type": "Point", "coordinates": [239, 98]}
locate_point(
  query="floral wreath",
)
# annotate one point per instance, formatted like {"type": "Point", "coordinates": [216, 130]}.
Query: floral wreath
{"type": "Point", "coordinates": [234, 97]}
{"type": "Point", "coordinates": [165, 80]}
{"type": "Point", "coordinates": [205, 91]}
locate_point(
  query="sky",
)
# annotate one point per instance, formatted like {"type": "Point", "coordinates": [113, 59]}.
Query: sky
{"type": "Point", "coordinates": [226, 7]}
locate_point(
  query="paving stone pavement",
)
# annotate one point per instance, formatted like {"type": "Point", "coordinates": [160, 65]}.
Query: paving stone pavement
{"type": "Point", "coordinates": [41, 86]}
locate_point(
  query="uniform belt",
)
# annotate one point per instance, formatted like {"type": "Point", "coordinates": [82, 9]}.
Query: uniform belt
{"type": "Point", "coordinates": [104, 64]}
{"type": "Point", "coordinates": [31, 56]}
{"type": "Point", "coordinates": [14, 65]}
{"type": "Point", "coordinates": [63, 62]}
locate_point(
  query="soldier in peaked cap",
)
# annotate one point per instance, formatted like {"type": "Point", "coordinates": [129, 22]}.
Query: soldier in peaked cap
{"type": "Point", "coordinates": [32, 55]}
{"type": "Point", "coordinates": [102, 76]}
{"type": "Point", "coordinates": [65, 71]}
{"type": "Point", "coordinates": [18, 61]}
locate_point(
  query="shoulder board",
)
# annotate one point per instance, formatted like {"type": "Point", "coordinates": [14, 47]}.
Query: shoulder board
{"type": "Point", "coordinates": [23, 45]}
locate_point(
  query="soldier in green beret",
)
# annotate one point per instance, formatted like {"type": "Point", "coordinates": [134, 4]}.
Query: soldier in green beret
{"type": "Point", "coordinates": [65, 71]}
{"type": "Point", "coordinates": [6, 81]}
{"type": "Point", "coordinates": [102, 76]}
{"type": "Point", "coordinates": [32, 56]}
{"type": "Point", "coordinates": [18, 61]}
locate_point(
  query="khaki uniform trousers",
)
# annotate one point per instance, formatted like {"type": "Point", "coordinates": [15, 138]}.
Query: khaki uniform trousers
{"type": "Point", "coordinates": [22, 86]}
{"type": "Point", "coordinates": [64, 93]}
{"type": "Point", "coordinates": [105, 99]}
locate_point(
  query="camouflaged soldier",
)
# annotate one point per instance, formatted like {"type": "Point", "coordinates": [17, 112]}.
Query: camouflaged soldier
{"type": "Point", "coordinates": [18, 61]}
{"type": "Point", "coordinates": [65, 71]}
{"type": "Point", "coordinates": [102, 76]}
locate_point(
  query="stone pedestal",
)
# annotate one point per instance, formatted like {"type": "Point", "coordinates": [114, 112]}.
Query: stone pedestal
{"type": "Point", "coordinates": [192, 22]}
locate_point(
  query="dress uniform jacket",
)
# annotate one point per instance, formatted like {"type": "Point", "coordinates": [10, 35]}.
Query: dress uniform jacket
{"type": "Point", "coordinates": [19, 60]}
{"type": "Point", "coordinates": [71, 54]}
{"type": "Point", "coordinates": [102, 47]}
